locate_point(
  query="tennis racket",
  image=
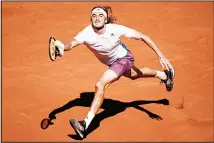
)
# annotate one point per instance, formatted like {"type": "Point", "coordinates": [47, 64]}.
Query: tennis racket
{"type": "Point", "coordinates": [53, 50]}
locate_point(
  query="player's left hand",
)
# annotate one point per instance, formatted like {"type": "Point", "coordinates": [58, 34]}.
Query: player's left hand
{"type": "Point", "coordinates": [166, 64]}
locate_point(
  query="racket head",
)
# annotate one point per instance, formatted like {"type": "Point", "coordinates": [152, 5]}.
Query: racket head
{"type": "Point", "coordinates": [45, 123]}
{"type": "Point", "coordinates": [52, 48]}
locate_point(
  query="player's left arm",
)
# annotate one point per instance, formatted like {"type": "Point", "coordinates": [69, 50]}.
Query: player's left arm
{"type": "Point", "coordinates": [133, 34]}
{"type": "Point", "coordinates": [140, 36]}
{"type": "Point", "coordinates": [163, 60]}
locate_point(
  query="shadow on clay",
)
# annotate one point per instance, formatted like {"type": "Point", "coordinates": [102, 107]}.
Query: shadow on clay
{"type": "Point", "coordinates": [111, 108]}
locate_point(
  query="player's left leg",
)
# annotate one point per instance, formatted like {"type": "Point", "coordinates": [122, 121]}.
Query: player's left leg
{"type": "Point", "coordinates": [165, 76]}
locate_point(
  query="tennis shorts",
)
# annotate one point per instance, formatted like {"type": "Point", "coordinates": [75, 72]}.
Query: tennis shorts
{"type": "Point", "coordinates": [122, 66]}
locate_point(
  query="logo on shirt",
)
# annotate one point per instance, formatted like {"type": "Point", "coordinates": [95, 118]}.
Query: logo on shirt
{"type": "Point", "coordinates": [112, 34]}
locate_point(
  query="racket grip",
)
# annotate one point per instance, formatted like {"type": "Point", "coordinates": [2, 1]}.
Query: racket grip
{"type": "Point", "coordinates": [57, 51]}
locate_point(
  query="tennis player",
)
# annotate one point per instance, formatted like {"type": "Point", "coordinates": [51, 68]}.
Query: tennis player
{"type": "Point", "coordinates": [102, 37]}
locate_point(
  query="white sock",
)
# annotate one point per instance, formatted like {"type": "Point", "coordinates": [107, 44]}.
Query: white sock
{"type": "Point", "coordinates": [89, 118]}
{"type": "Point", "coordinates": [161, 75]}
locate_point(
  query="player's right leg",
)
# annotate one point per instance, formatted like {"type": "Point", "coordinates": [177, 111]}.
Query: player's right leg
{"type": "Point", "coordinates": [106, 79]}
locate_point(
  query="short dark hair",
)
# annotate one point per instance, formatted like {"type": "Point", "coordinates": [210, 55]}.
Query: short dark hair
{"type": "Point", "coordinates": [108, 10]}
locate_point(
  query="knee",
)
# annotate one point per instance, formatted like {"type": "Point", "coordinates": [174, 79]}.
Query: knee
{"type": "Point", "coordinates": [133, 77]}
{"type": "Point", "coordinates": [99, 86]}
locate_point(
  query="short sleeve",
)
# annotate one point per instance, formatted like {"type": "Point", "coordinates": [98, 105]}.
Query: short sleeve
{"type": "Point", "coordinates": [81, 36]}
{"type": "Point", "coordinates": [125, 31]}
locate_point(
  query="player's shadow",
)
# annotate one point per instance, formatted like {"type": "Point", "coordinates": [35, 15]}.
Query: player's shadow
{"type": "Point", "coordinates": [111, 108]}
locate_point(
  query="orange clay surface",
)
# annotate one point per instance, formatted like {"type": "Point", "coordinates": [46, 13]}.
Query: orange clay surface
{"type": "Point", "coordinates": [33, 86]}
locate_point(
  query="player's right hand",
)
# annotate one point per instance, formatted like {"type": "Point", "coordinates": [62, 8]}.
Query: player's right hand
{"type": "Point", "coordinates": [60, 46]}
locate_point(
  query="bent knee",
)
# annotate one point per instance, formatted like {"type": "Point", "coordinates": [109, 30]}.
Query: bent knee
{"type": "Point", "coordinates": [133, 77]}
{"type": "Point", "coordinates": [101, 85]}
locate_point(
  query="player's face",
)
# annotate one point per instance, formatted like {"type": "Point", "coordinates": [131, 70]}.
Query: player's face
{"type": "Point", "coordinates": [98, 20]}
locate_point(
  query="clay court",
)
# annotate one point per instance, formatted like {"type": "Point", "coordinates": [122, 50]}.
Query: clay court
{"type": "Point", "coordinates": [33, 86]}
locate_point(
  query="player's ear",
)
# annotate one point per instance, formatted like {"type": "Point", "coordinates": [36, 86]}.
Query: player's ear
{"type": "Point", "coordinates": [106, 20]}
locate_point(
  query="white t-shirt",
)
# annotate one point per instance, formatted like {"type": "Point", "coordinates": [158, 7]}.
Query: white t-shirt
{"type": "Point", "coordinates": [106, 47]}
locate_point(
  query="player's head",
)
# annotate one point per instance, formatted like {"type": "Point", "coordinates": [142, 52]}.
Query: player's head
{"type": "Point", "coordinates": [100, 16]}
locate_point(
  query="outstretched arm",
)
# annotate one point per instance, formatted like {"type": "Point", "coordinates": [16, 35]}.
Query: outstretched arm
{"type": "Point", "coordinates": [80, 38]}
{"type": "Point", "coordinates": [66, 45]}
{"type": "Point", "coordinates": [164, 61]}
{"type": "Point", "coordinates": [70, 44]}
{"type": "Point", "coordinates": [149, 42]}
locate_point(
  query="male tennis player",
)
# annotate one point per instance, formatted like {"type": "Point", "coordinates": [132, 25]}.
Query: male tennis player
{"type": "Point", "coordinates": [102, 37]}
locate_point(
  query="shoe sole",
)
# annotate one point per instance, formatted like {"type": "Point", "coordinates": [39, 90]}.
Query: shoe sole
{"type": "Point", "coordinates": [170, 88]}
{"type": "Point", "coordinates": [171, 78]}
{"type": "Point", "coordinates": [169, 75]}
{"type": "Point", "coordinates": [72, 122]}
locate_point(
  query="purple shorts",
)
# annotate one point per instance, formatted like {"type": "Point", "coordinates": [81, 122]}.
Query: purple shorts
{"type": "Point", "coordinates": [123, 65]}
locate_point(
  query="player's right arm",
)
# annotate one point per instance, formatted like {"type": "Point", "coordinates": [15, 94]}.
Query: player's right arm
{"type": "Point", "coordinates": [80, 38]}
{"type": "Point", "coordinates": [66, 45]}
{"type": "Point", "coordinates": [70, 44]}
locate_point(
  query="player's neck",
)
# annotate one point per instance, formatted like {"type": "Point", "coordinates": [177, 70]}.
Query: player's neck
{"type": "Point", "coordinates": [100, 30]}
